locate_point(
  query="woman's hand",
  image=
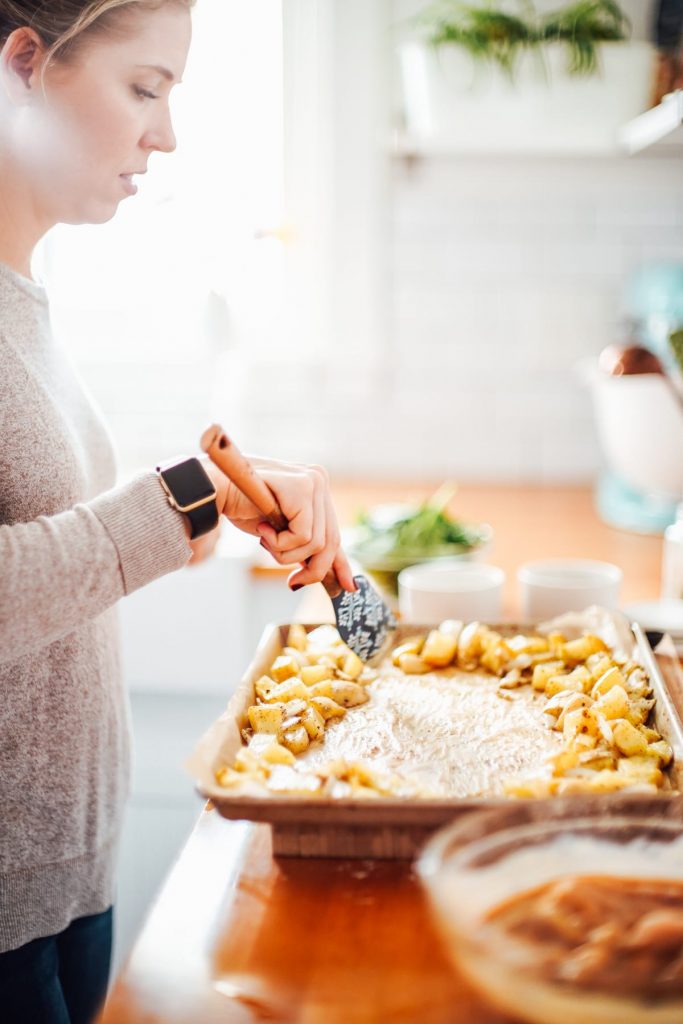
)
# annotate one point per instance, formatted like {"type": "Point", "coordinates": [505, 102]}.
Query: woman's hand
{"type": "Point", "coordinates": [303, 494]}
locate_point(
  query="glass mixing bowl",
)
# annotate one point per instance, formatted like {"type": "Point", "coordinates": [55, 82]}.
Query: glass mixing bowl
{"type": "Point", "coordinates": [548, 918]}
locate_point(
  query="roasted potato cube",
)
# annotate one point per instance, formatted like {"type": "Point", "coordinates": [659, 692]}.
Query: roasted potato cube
{"type": "Point", "coordinates": [639, 709]}
{"type": "Point", "coordinates": [662, 751]}
{"type": "Point", "coordinates": [328, 708]}
{"type": "Point", "coordinates": [294, 708]}
{"type": "Point", "coordinates": [295, 738]}
{"type": "Point", "coordinates": [247, 760]}
{"type": "Point", "coordinates": [229, 777]}
{"type": "Point", "coordinates": [269, 751]}
{"type": "Point", "coordinates": [470, 644]}
{"type": "Point", "coordinates": [348, 695]}
{"type": "Point", "coordinates": [411, 645]}
{"type": "Point", "coordinates": [413, 665]}
{"type": "Point", "coordinates": [322, 689]}
{"type": "Point", "coordinates": [575, 651]}
{"type": "Point", "coordinates": [564, 761]}
{"type": "Point", "coordinates": [521, 644]}
{"type": "Point", "coordinates": [264, 686]}
{"type": "Point", "coordinates": [608, 780]}
{"type": "Point", "coordinates": [265, 718]}
{"type": "Point", "coordinates": [313, 674]}
{"type": "Point", "coordinates": [614, 703]}
{"type": "Point", "coordinates": [324, 636]}
{"type": "Point", "coordinates": [556, 642]}
{"type": "Point", "coordinates": [651, 735]}
{"type": "Point", "coordinates": [351, 665]}
{"type": "Point", "coordinates": [297, 637]}
{"type": "Point", "coordinates": [605, 682]}
{"type": "Point", "coordinates": [641, 769]}
{"type": "Point", "coordinates": [291, 689]}
{"type": "Point", "coordinates": [581, 722]}
{"type": "Point", "coordinates": [283, 668]}
{"type": "Point", "coordinates": [627, 739]}
{"type": "Point", "coordinates": [529, 787]}
{"type": "Point", "coordinates": [495, 656]}
{"type": "Point", "coordinates": [575, 680]}
{"type": "Point", "coordinates": [439, 648]}
{"type": "Point", "coordinates": [544, 672]}
{"type": "Point", "coordinates": [573, 702]}
{"type": "Point", "coordinates": [300, 657]}
{"type": "Point", "coordinates": [313, 722]}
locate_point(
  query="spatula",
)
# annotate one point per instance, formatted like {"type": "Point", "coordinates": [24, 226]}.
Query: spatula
{"type": "Point", "coordinates": [364, 621]}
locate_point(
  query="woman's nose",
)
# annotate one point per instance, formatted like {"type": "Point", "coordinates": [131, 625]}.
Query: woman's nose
{"type": "Point", "coordinates": [160, 136]}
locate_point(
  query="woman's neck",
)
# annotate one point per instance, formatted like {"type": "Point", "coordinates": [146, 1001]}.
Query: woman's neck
{"type": "Point", "coordinates": [21, 226]}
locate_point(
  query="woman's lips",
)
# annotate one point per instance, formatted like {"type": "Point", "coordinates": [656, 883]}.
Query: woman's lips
{"type": "Point", "coordinates": [129, 185]}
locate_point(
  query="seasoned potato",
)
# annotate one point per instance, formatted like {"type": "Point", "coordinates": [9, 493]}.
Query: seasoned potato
{"type": "Point", "coordinates": [604, 683]}
{"type": "Point", "coordinates": [312, 674]}
{"type": "Point", "coordinates": [269, 751]}
{"type": "Point", "coordinates": [322, 689]}
{"type": "Point", "coordinates": [627, 738]}
{"type": "Point", "coordinates": [284, 667]}
{"type": "Point", "coordinates": [348, 695]}
{"type": "Point", "coordinates": [439, 648]}
{"type": "Point", "coordinates": [264, 686]}
{"type": "Point", "coordinates": [313, 722]}
{"type": "Point", "coordinates": [579, 724]}
{"type": "Point", "coordinates": [661, 751]}
{"type": "Point", "coordinates": [327, 707]}
{"type": "Point", "coordinates": [295, 738]}
{"type": "Point", "coordinates": [266, 718]}
{"type": "Point", "coordinates": [291, 689]}
{"type": "Point", "coordinates": [575, 651]}
{"type": "Point", "coordinates": [297, 637]}
{"type": "Point", "coordinates": [614, 703]}
{"type": "Point", "coordinates": [413, 665]}
{"type": "Point", "coordinates": [544, 672]}
{"type": "Point", "coordinates": [411, 645]}
{"type": "Point", "coordinates": [351, 665]}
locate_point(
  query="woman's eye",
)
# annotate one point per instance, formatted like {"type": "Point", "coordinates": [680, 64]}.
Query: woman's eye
{"type": "Point", "coordinates": [144, 93]}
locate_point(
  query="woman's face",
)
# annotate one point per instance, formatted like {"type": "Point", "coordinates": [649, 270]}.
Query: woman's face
{"type": "Point", "coordinates": [104, 112]}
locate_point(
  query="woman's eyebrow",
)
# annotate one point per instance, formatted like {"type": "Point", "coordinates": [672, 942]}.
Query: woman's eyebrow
{"type": "Point", "coordinates": [164, 72]}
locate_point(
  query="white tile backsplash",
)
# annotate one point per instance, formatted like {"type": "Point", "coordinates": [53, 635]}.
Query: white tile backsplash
{"type": "Point", "coordinates": [502, 275]}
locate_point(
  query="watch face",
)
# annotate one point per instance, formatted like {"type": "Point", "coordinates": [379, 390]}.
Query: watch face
{"type": "Point", "coordinates": [188, 482]}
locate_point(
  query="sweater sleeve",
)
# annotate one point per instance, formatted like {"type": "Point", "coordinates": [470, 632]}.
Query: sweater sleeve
{"type": "Point", "coordinates": [58, 571]}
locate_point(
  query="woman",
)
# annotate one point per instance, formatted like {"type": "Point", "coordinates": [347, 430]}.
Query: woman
{"type": "Point", "coordinates": [84, 102]}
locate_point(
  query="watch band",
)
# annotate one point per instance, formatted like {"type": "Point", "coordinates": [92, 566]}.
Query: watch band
{"type": "Point", "coordinates": [203, 518]}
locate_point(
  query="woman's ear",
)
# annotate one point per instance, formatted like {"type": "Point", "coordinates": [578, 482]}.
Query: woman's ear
{"type": "Point", "coordinates": [21, 62]}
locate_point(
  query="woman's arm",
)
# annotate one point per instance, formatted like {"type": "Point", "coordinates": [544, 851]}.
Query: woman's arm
{"type": "Point", "coordinates": [58, 571]}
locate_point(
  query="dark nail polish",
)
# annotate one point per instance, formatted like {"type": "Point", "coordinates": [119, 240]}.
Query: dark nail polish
{"type": "Point", "coordinates": [297, 586]}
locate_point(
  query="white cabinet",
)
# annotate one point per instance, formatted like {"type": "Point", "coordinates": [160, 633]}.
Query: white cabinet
{"type": "Point", "coordinates": [195, 631]}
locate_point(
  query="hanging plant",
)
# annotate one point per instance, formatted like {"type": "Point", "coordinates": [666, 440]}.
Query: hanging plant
{"type": "Point", "coordinates": [492, 34]}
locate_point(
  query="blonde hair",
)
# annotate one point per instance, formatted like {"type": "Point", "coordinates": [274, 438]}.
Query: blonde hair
{"type": "Point", "coordinates": [64, 24]}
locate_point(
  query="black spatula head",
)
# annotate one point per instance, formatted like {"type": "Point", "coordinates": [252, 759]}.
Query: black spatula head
{"type": "Point", "coordinates": [364, 621]}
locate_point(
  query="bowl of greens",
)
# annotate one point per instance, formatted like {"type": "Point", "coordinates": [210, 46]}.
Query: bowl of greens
{"type": "Point", "coordinates": [389, 538]}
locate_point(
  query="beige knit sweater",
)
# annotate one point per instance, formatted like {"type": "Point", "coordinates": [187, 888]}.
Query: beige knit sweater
{"type": "Point", "coordinates": [71, 544]}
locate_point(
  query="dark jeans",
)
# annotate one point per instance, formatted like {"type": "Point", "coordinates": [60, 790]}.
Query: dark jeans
{"type": "Point", "coordinates": [61, 979]}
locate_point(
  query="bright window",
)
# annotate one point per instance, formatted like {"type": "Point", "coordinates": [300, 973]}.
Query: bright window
{"type": "Point", "coordinates": [158, 306]}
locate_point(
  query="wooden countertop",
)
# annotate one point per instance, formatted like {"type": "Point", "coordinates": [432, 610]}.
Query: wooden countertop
{"type": "Point", "coordinates": [237, 937]}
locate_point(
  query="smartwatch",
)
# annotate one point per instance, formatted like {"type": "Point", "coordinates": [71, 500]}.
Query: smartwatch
{"type": "Point", "coordinates": [190, 491]}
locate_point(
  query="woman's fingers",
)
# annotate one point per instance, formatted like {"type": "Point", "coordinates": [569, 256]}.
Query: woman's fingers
{"type": "Point", "coordinates": [312, 537]}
